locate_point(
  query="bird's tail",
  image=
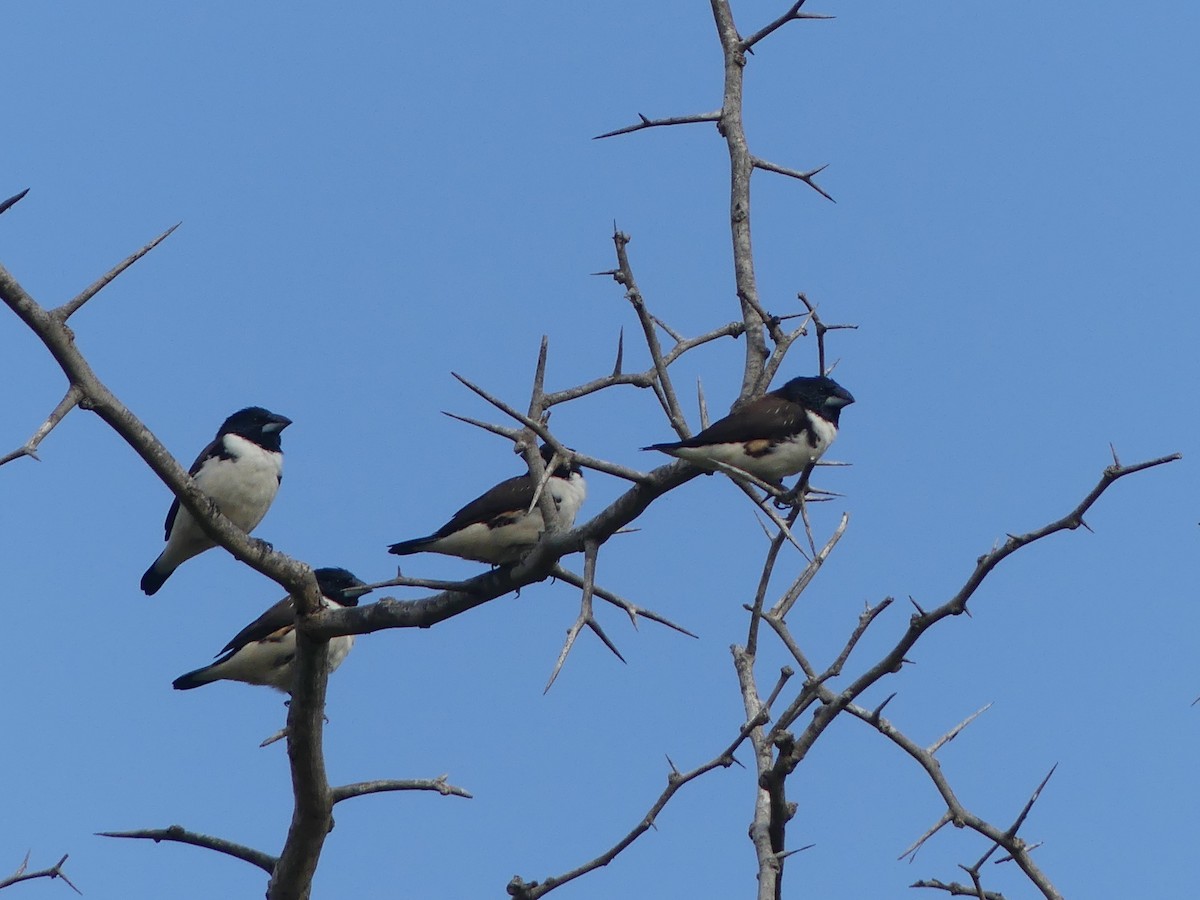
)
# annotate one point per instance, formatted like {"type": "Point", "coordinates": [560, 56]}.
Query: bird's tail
{"type": "Point", "coordinates": [195, 679]}
{"type": "Point", "coordinates": [416, 545]}
{"type": "Point", "coordinates": [156, 576]}
{"type": "Point", "coordinates": [665, 448]}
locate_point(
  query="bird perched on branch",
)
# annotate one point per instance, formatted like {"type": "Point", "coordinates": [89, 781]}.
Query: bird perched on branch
{"type": "Point", "coordinates": [263, 651]}
{"type": "Point", "coordinates": [776, 435]}
{"type": "Point", "coordinates": [503, 524]}
{"type": "Point", "coordinates": [240, 470]}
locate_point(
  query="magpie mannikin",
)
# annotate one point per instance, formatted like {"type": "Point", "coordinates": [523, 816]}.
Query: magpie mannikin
{"type": "Point", "coordinates": [777, 435]}
{"type": "Point", "coordinates": [262, 652]}
{"type": "Point", "coordinates": [240, 470]}
{"type": "Point", "coordinates": [499, 527]}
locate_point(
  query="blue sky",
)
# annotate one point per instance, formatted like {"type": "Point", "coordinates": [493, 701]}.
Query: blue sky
{"type": "Point", "coordinates": [373, 195]}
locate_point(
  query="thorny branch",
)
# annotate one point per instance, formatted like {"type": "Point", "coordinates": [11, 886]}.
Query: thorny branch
{"type": "Point", "coordinates": [778, 752]}
{"type": "Point", "coordinates": [956, 813]}
{"type": "Point", "coordinates": [520, 889]}
{"type": "Point", "coordinates": [55, 871]}
{"type": "Point", "coordinates": [310, 822]}
{"type": "Point", "coordinates": [644, 123]}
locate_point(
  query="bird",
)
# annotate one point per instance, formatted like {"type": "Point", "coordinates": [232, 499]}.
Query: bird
{"type": "Point", "coordinates": [498, 527]}
{"type": "Point", "coordinates": [240, 471]}
{"type": "Point", "coordinates": [776, 435]}
{"type": "Point", "coordinates": [262, 652]}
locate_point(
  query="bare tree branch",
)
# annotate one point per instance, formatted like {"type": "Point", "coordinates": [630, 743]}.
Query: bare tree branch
{"type": "Point", "coordinates": [821, 329]}
{"type": "Point", "coordinates": [956, 730]}
{"type": "Point", "coordinates": [55, 871]}
{"type": "Point", "coordinates": [69, 308]}
{"type": "Point", "coordinates": [312, 810]}
{"type": "Point", "coordinates": [590, 551]}
{"type": "Point", "coordinates": [624, 276]}
{"type": "Point", "coordinates": [911, 851]}
{"type": "Point", "coordinates": [791, 15]}
{"type": "Point", "coordinates": [520, 889]}
{"type": "Point", "coordinates": [714, 116]}
{"type": "Point", "coordinates": [57, 337]}
{"type": "Point", "coordinates": [921, 623]}
{"type": "Point", "coordinates": [362, 788]}
{"type": "Point", "coordinates": [69, 401]}
{"type": "Point", "coordinates": [958, 814]}
{"type": "Point", "coordinates": [632, 609]}
{"type": "Point", "coordinates": [957, 890]}
{"type": "Point", "coordinates": [740, 168]}
{"type": "Point", "coordinates": [179, 835]}
{"type": "Point", "coordinates": [807, 177]}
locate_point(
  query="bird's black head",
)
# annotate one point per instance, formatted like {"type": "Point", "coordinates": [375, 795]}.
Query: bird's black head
{"type": "Point", "coordinates": [340, 586]}
{"type": "Point", "coordinates": [820, 394]}
{"type": "Point", "coordinates": [256, 424]}
{"type": "Point", "coordinates": [563, 470]}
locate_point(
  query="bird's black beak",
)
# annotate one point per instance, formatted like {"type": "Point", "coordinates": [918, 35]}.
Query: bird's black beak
{"type": "Point", "coordinates": [277, 423]}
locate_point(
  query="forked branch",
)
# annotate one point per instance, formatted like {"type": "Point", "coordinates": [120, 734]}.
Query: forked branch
{"type": "Point", "coordinates": [55, 871]}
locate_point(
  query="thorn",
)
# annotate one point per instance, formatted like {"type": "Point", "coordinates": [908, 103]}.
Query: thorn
{"type": "Point", "coordinates": [785, 854]}
{"type": "Point", "coordinates": [879, 709]}
{"type": "Point", "coordinates": [12, 201]}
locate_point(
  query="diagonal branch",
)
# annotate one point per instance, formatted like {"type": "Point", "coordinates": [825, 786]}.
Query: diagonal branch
{"type": "Point", "coordinates": [791, 15]}
{"type": "Point", "coordinates": [69, 401]}
{"type": "Point", "coordinates": [959, 814]}
{"type": "Point", "coordinates": [179, 835]}
{"type": "Point", "coordinates": [807, 177]}
{"type": "Point", "coordinates": [920, 623]}
{"type": "Point", "coordinates": [623, 275]}
{"type": "Point", "coordinates": [69, 308]}
{"type": "Point", "coordinates": [519, 889]}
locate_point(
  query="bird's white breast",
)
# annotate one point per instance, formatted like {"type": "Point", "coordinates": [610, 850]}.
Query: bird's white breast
{"type": "Point", "coordinates": [244, 486]}
{"type": "Point", "coordinates": [569, 494]}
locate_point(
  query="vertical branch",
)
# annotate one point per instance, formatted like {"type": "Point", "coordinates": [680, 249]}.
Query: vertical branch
{"type": "Point", "coordinates": [769, 861]}
{"type": "Point", "coordinates": [741, 166]}
{"type": "Point", "coordinates": [312, 814]}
